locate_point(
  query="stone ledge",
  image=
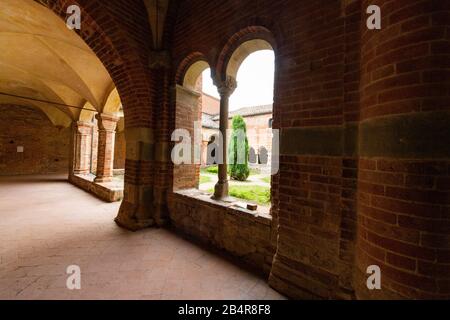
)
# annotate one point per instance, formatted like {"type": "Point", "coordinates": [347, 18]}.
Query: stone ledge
{"type": "Point", "coordinates": [232, 207]}
{"type": "Point", "coordinates": [108, 191]}
{"type": "Point", "coordinates": [240, 232]}
{"type": "Point", "coordinates": [119, 172]}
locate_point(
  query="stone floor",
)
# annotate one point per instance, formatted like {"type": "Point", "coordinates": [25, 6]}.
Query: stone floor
{"type": "Point", "coordinates": [46, 224]}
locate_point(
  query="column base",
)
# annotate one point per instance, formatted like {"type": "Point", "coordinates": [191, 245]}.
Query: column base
{"type": "Point", "coordinates": [130, 217]}
{"type": "Point", "coordinates": [103, 179]}
{"type": "Point", "coordinates": [221, 191]}
{"type": "Point", "coordinates": [81, 172]}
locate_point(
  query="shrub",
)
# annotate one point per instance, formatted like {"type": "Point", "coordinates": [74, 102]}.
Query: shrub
{"type": "Point", "coordinates": [213, 169]}
{"type": "Point", "coordinates": [238, 151]}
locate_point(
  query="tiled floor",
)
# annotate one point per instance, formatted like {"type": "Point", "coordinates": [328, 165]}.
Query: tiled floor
{"type": "Point", "coordinates": [47, 224]}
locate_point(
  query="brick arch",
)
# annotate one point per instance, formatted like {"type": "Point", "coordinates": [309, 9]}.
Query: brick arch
{"type": "Point", "coordinates": [249, 33]}
{"type": "Point", "coordinates": [269, 32]}
{"type": "Point", "coordinates": [119, 34]}
{"type": "Point", "coordinates": [187, 63]}
{"type": "Point", "coordinates": [122, 51]}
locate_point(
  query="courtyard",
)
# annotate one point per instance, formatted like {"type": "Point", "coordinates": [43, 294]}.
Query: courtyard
{"type": "Point", "coordinates": [256, 189]}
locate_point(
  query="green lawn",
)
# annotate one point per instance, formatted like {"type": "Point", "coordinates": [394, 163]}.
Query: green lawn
{"type": "Point", "coordinates": [205, 179]}
{"type": "Point", "coordinates": [215, 170]}
{"type": "Point", "coordinates": [267, 179]}
{"type": "Point", "coordinates": [212, 169]}
{"type": "Point", "coordinates": [258, 194]}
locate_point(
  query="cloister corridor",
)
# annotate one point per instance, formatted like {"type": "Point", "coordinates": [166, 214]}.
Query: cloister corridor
{"type": "Point", "coordinates": [126, 151]}
{"type": "Point", "coordinates": [47, 224]}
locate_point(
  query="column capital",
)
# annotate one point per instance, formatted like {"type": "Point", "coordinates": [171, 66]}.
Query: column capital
{"type": "Point", "coordinates": [83, 124]}
{"type": "Point", "coordinates": [107, 122]}
{"type": "Point", "coordinates": [226, 86]}
{"type": "Point", "coordinates": [83, 127]}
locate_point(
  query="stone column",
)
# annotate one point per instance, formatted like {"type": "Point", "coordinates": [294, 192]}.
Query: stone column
{"type": "Point", "coordinates": [82, 147]}
{"type": "Point", "coordinates": [226, 88]}
{"type": "Point", "coordinates": [106, 135]}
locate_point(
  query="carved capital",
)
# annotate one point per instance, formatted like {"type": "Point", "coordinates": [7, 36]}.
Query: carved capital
{"type": "Point", "coordinates": [227, 86]}
{"type": "Point", "coordinates": [82, 127]}
{"type": "Point", "coordinates": [107, 122]}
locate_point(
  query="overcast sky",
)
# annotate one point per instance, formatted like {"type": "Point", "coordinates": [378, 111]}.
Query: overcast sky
{"type": "Point", "coordinates": [255, 81]}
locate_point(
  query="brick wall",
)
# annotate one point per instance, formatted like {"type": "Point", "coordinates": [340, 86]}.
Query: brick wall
{"type": "Point", "coordinates": [46, 147]}
{"type": "Point", "coordinates": [404, 227]}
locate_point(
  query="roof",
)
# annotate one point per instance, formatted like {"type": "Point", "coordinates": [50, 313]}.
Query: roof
{"type": "Point", "coordinates": [208, 122]}
{"type": "Point", "coordinates": [249, 111]}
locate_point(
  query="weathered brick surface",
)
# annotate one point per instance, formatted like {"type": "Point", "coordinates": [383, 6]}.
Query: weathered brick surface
{"type": "Point", "coordinates": [46, 147]}
{"type": "Point", "coordinates": [236, 231]}
{"type": "Point", "coordinates": [120, 151]}
{"type": "Point", "coordinates": [403, 225]}
{"type": "Point", "coordinates": [403, 199]}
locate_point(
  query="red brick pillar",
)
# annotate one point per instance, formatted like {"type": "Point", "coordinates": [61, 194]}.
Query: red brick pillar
{"type": "Point", "coordinates": [403, 176]}
{"type": "Point", "coordinates": [82, 147]}
{"type": "Point", "coordinates": [106, 137]}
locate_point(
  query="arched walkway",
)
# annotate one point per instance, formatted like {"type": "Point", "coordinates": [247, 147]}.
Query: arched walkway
{"type": "Point", "coordinates": [37, 246]}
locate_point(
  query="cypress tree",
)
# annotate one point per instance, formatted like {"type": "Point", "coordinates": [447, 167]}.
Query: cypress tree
{"type": "Point", "coordinates": [238, 150]}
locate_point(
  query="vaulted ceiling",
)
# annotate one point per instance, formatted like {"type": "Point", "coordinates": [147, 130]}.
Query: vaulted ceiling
{"type": "Point", "coordinates": [41, 59]}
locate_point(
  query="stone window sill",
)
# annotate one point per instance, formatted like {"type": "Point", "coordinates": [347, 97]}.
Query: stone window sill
{"type": "Point", "coordinates": [233, 205]}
